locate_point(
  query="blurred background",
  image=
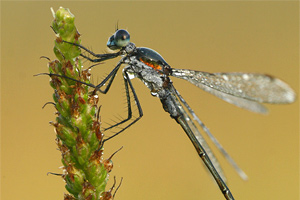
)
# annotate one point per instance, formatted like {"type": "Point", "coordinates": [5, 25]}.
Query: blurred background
{"type": "Point", "coordinates": [157, 161]}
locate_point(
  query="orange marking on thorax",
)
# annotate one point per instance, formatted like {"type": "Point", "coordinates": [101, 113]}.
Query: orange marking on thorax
{"type": "Point", "coordinates": [154, 65]}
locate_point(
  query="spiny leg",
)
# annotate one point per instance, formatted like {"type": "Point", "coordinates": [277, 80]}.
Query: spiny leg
{"type": "Point", "coordinates": [127, 82]}
{"type": "Point", "coordinates": [100, 57]}
{"type": "Point", "coordinates": [103, 57]}
{"type": "Point", "coordinates": [129, 110]}
{"type": "Point", "coordinates": [110, 77]}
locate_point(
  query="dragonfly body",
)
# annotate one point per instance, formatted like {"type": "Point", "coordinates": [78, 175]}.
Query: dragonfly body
{"type": "Point", "coordinates": [153, 70]}
{"type": "Point", "coordinates": [246, 90]}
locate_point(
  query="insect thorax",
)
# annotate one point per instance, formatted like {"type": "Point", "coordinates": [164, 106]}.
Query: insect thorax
{"type": "Point", "coordinates": [152, 78]}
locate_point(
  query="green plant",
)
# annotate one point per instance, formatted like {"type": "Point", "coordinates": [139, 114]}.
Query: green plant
{"type": "Point", "coordinates": [77, 123]}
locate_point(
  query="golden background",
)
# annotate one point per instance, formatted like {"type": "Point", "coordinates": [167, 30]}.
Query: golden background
{"type": "Point", "coordinates": [157, 161]}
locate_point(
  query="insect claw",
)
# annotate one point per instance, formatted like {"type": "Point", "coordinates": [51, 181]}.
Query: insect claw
{"type": "Point", "coordinates": [53, 29]}
{"type": "Point", "coordinates": [42, 74]}
{"type": "Point", "coordinates": [118, 187]}
{"type": "Point", "coordinates": [48, 103]}
{"type": "Point", "coordinates": [56, 174]}
{"type": "Point", "coordinates": [45, 57]}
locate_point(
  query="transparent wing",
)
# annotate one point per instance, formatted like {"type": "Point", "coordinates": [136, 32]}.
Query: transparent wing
{"type": "Point", "coordinates": [240, 102]}
{"type": "Point", "coordinates": [240, 89]}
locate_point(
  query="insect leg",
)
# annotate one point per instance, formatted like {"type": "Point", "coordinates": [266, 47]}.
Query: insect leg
{"type": "Point", "coordinates": [101, 57]}
{"type": "Point", "coordinates": [109, 78]}
{"type": "Point", "coordinates": [129, 115]}
{"type": "Point", "coordinates": [128, 87]}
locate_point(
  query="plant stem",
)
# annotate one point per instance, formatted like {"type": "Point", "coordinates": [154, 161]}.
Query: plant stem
{"type": "Point", "coordinates": [77, 123]}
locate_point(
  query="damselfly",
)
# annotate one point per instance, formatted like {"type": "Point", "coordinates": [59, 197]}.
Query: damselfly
{"type": "Point", "coordinates": [245, 90]}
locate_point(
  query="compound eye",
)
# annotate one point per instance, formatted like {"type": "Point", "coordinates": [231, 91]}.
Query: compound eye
{"type": "Point", "coordinates": [122, 38]}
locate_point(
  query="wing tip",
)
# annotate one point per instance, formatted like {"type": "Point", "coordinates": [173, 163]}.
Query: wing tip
{"type": "Point", "coordinates": [288, 94]}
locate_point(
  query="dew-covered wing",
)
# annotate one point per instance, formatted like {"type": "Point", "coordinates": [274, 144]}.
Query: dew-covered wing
{"type": "Point", "coordinates": [240, 102]}
{"type": "Point", "coordinates": [248, 86]}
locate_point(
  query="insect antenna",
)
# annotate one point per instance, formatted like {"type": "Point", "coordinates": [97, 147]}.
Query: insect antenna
{"type": "Point", "coordinates": [117, 26]}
